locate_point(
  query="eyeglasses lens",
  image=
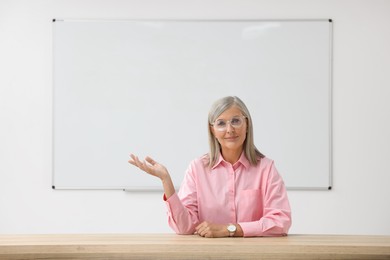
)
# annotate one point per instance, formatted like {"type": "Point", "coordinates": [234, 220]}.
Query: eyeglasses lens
{"type": "Point", "coordinates": [221, 124]}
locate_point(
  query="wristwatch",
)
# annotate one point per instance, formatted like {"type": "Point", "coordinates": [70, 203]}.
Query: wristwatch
{"type": "Point", "coordinates": [232, 229]}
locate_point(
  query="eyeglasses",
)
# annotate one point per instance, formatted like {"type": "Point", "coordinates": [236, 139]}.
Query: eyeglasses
{"type": "Point", "coordinates": [221, 124]}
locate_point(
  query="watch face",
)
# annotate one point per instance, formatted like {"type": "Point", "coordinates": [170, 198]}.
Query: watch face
{"type": "Point", "coordinates": [231, 228]}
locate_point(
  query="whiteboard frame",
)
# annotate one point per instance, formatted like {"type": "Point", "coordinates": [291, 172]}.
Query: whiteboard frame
{"type": "Point", "coordinates": [153, 189]}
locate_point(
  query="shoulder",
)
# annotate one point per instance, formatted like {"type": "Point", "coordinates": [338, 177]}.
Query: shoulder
{"type": "Point", "coordinates": [202, 161]}
{"type": "Point", "coordinates": [265, 164]}
{"type": "Point", "coordinates": [265, 161]}
{"type": "Point", "coordinates": [268, 168]}
{"type": "Point", "coordinates": [199, 164]}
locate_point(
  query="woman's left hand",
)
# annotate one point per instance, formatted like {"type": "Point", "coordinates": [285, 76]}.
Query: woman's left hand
{"type": "Point", "coordinates": [207, 229]}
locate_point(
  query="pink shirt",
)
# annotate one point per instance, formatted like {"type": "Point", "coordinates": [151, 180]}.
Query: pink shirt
{"type": "Point", "coordinates": [252, 196]}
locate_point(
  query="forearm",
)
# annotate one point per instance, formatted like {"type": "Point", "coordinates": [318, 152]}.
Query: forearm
{"type": "Point", "coordinates": [168, 186]}
{"type": "Point", "coordinates": [276, 225]}
{"type": "Point", "coordinates": [180, 218]}
{"type": "Point", "coordinates": [208, 229]}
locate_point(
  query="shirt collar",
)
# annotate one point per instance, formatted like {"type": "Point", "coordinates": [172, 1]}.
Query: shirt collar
{"type": "Point", "coordinates": [242, 160]}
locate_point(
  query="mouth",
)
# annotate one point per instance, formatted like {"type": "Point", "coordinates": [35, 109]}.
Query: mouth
{"type": "Point", "coordinates": [231, 138]}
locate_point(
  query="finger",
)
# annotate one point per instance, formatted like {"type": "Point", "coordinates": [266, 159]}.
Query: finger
{"type": "Point", "coordinates": [200, 232]}
{"type": "Point", "coordinates": [203, 232]}
{"type": "Point", "coordinates": [145, 166]}
{"type": "Point", "coordinates": [133, 160]}
{"type": "Point", "coordinates": [202, 229]}
{"type": "Point", "coordinates": [203, 224]}
{"type": "Point", "coordinates": [136, 160]}
{"type": "Point", "coordinates": [150, 160]}
{"type": "Point", "coordinates": [139, 164]}
{"type": "Point", "coordinates": [133, 157]}
{"type": "Point", "coordinates": [198, 227]}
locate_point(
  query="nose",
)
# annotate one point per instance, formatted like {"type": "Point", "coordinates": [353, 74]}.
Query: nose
{"type": "Point", "coordinates": [229, 128]}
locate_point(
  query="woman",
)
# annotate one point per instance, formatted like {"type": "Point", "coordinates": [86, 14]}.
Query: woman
{"type": "Point", "coordinates": [232, 191]}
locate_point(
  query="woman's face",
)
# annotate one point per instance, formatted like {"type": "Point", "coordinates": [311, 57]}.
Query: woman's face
{"type": "Point", "coordinates": [230, 138]}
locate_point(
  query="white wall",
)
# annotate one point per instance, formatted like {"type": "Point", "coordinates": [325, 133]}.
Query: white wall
{"type": "Point", "coordinates": [358, 203]}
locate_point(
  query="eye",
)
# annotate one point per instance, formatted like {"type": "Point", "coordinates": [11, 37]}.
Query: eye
{"type": "Point", "coordinates": [220, 123]}
{"type": "Point", "coordinates": [236, 121]}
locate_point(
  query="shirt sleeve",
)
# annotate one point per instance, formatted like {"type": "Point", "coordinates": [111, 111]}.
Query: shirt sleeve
{"type": "Point", "coordinates": [182, 207]}
{"type": "Point", "coordinates": [276, 220]}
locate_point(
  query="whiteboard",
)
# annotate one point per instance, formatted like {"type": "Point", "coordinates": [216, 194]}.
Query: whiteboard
{"type": "Point", "coordinates": [145, 87]}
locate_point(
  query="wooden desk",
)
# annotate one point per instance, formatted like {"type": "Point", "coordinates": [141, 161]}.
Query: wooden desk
{"type": "Point", "coordinates": [171, 246]}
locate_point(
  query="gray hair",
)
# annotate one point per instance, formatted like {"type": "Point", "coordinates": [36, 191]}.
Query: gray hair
{"type": "Point", "coordinates": [220, 106]}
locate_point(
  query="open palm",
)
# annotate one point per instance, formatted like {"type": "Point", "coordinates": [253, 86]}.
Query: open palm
{"type": "Point", "coordinates": [149, 166]}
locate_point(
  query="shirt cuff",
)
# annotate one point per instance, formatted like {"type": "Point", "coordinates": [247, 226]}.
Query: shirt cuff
{"type": "Point", "coordinates": [250, 229]}
{"type": "Point", "coordinates": [172, 202]}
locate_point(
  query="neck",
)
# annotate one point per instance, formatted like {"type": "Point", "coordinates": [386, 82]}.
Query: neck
{"type": "Point", "coordinates": [231, 156]}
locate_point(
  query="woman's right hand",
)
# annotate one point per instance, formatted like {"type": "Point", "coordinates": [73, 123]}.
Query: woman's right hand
{"type": "Point", "coordinates": [154, 168]}
{"type": "Point", "coordinates": [150, 166]}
